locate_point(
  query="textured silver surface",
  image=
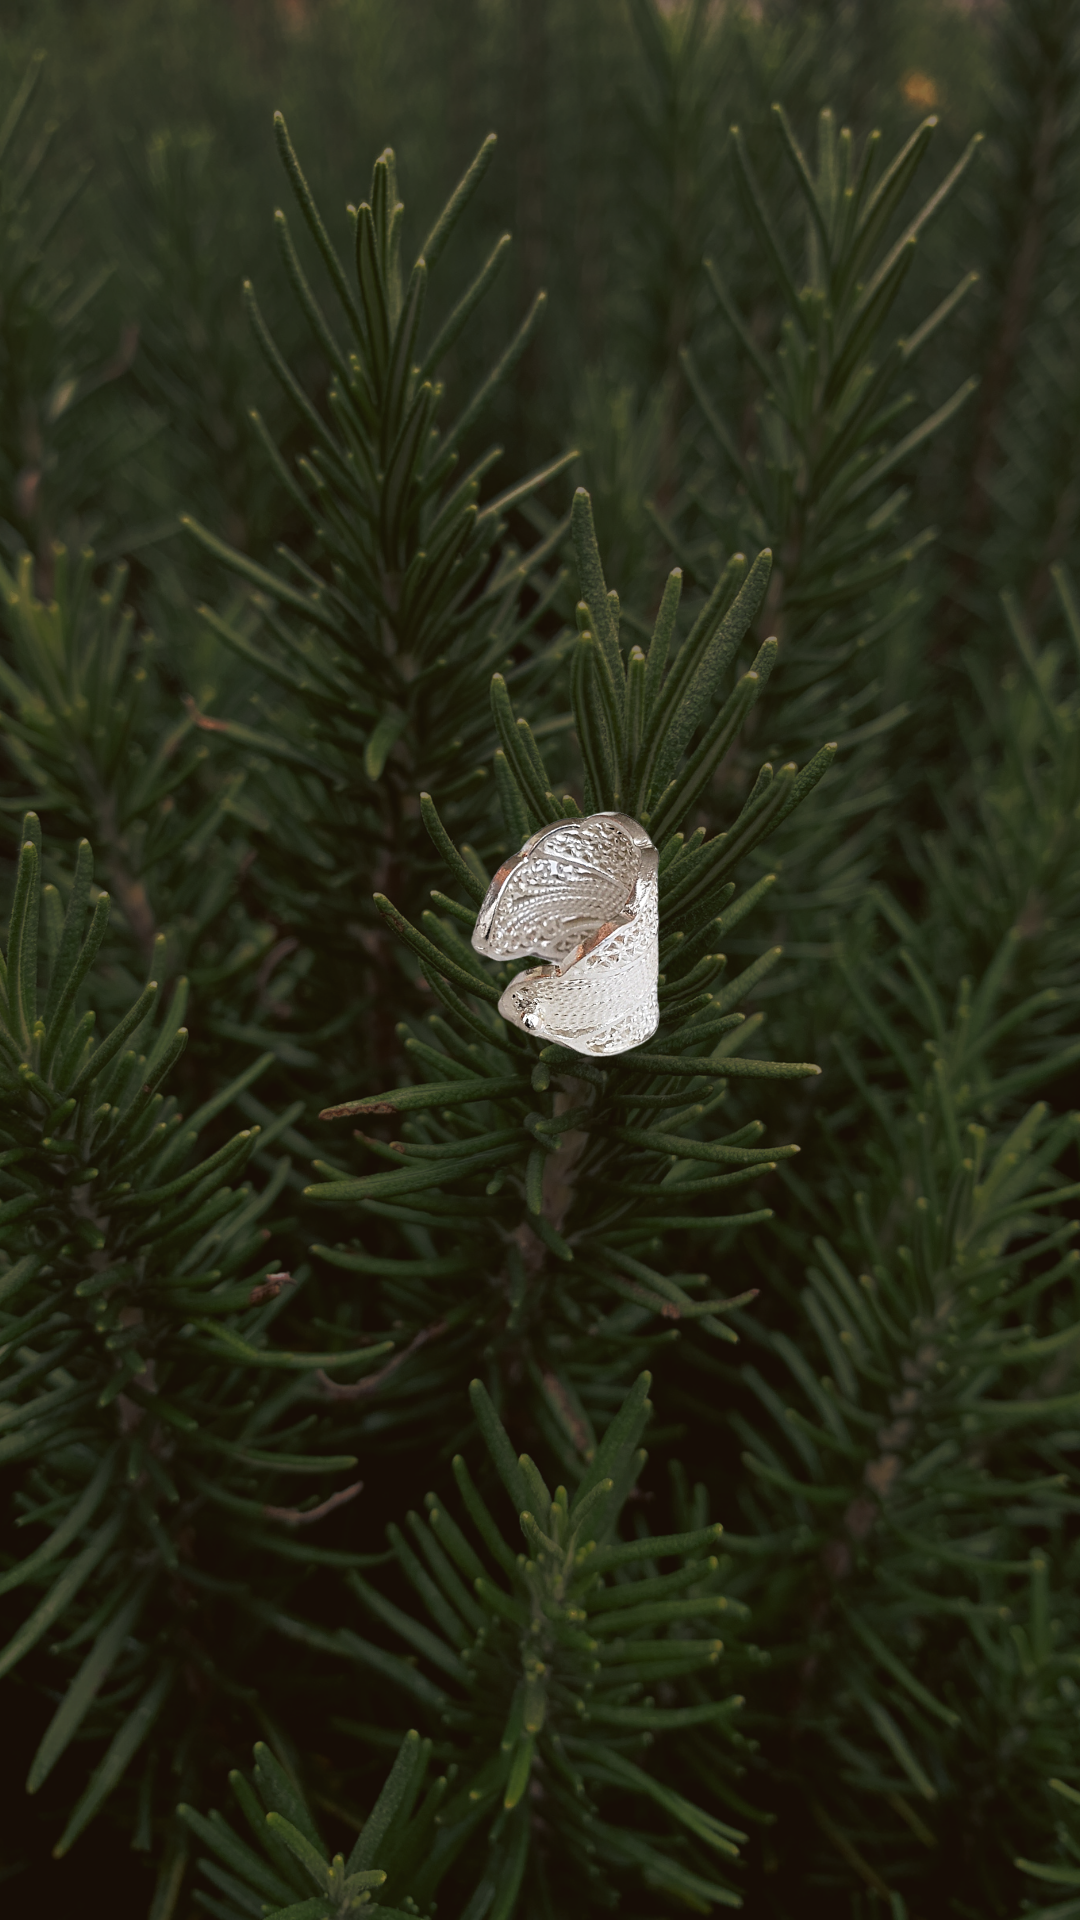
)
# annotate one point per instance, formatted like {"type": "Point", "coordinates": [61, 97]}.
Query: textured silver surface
{"type": "Point", "coordinates": [582, 894]}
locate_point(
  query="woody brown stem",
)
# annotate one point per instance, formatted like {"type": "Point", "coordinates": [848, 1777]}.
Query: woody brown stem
{"type": "Point", "coordinates": [359, 1389]}
{"type": "Point", "coordinates": [292, 1516]}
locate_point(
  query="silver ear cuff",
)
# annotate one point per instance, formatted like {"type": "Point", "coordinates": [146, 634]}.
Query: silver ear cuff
{"type": "Point", "coordinates": [582, 895]}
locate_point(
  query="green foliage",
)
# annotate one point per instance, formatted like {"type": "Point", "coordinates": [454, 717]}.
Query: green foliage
{"type": "Point", "coordinates": [863, 1357]}
{"type": "Point", "coordinates": [542, 1662]}
{"type": "Point", "coordinates": [130, 1308]}
{"type": "Point", "coordinates": [921, 1416]}
{"type": "Point", "coordinates": [897, 1461]}
{"type": "Point", "coordinates": [557, 1175]}
{"type": "Point", "coordinates": [821, 466]}
{"type": "Point", "coordinates": [1009, 907]}
{"type": "Point", "coordinates": [1059, 1876]}
{"type": "Point", "coordinates": [192, 374]}
{"type": "Point", "coordinates": [76, 688]}
{"type": "Point", "coordinates": [818, 479]}
{"type": "Point", "coordinates": [297, 1859]}
{"type": "Point", "coordinates": [377, 656]}
{"type": "Point", "coordinates": [1013, 469]}
{"type": "Point", "coordinates": [53, 372]}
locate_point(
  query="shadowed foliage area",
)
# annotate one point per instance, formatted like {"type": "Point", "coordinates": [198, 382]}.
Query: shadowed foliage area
{"type": "Point", "coordinates": [638, 1481]}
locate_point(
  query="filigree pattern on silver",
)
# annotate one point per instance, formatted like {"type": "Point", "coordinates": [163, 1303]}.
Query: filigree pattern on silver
{"type": "Point", "coordinates": [583, 895]}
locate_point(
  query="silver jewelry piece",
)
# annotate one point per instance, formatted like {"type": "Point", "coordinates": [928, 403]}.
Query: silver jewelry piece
{"type": "Point", "coordinates": [584, 896]}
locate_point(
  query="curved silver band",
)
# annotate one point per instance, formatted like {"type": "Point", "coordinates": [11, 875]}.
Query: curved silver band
{"type": "Point", "coordinates": [582, 895]}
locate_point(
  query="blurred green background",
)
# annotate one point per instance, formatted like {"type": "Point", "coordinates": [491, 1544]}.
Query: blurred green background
{"type": "Point", "coordinates": [127, 376]}
{"type": "Point", "coordinates": [610, 174]}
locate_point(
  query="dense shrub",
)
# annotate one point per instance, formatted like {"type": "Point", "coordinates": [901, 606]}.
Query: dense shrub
{"type": "Point", "coordinates": [342, 547]}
